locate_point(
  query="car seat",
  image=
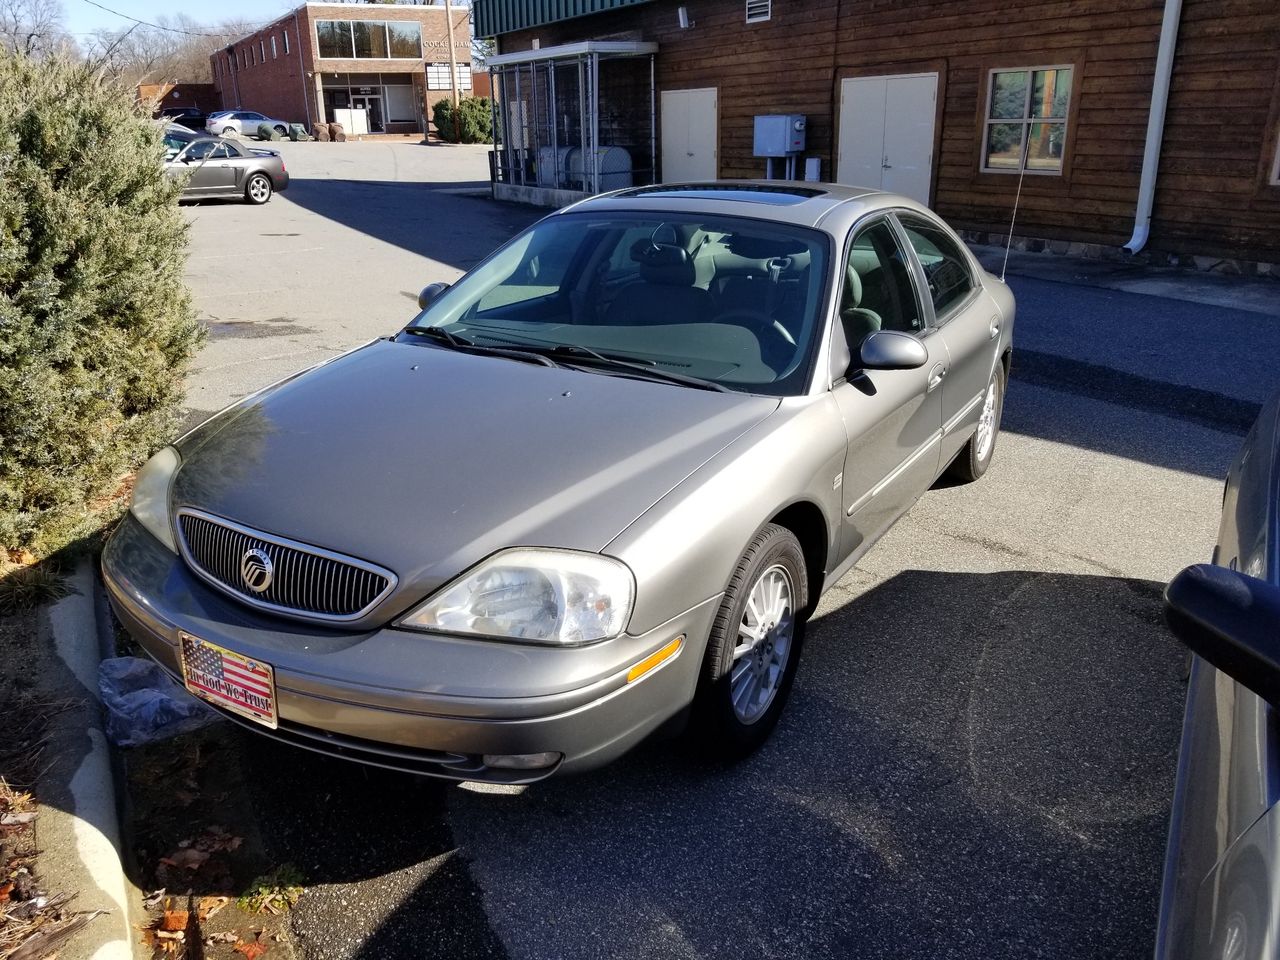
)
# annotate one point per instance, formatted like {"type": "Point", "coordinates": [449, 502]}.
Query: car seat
{"type": "Point", "coordinates": [667, 291]}
{"type": "Point", "coordinates": [858, 321]}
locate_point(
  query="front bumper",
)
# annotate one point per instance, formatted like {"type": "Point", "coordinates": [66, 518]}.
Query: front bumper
{"type": "Point", "coordinates": [425, 703]}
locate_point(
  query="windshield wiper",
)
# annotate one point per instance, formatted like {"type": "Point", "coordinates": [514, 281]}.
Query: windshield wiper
{"type": "Point", "coordinates": [455, 342]}
{"type": "Point", "coordinates": [650, 370]}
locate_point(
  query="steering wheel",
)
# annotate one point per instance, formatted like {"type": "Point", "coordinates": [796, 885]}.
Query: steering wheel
{"type": "Point", "coordinates": [757, 321]}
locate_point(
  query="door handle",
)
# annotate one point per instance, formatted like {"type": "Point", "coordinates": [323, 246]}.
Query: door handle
{"type": "Point", "coordinates": [995, 328]}
{"type": "Point", "coordinates": [935, 377]}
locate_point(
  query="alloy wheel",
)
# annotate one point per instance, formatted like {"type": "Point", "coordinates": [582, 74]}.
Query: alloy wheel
{"type": "Point", "coordinates": [765, 637]}
{"type": "Point", "coordinates": [987, 422]}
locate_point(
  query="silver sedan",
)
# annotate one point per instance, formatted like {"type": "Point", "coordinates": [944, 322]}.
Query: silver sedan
{"type": "Point", "coordinates": [241, 123]}
{"type": "Point", "coordinates": [594, 489]}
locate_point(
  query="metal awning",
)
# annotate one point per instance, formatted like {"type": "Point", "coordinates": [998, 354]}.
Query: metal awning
{"type": "Point", "coordinates": [602, 48]}
{"type": "Point", "coordinates": [496, 17]}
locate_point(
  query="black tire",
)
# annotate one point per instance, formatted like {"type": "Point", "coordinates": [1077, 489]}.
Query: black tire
{"type": "Point", "coordinates": [257, 181]}
{"type": "Point", "coordinates": [229, 132]}
{"type": "Point", "coordinates": [281, 129]}
{"type": "Point", "coordinates": [716, 728]}
{"type": "Point", "coordinates": [972, 461]}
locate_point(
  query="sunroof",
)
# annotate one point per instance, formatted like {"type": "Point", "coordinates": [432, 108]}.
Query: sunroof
{"type": "Point", "coordinates": [782, 196]}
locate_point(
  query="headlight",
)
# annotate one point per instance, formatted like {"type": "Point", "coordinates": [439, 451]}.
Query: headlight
{"type": "Point", "coordinates": [151, 495]}
{"type": "Point", "coordinates": [540, 596]}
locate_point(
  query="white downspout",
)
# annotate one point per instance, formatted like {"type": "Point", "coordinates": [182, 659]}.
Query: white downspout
{"type": "Point", "coordinates": [1155, 125]}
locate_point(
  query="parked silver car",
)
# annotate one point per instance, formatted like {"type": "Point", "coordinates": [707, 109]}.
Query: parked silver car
{"type": "Point", "coordinates": [215, 167]}
{"type": "Point", "coordinates": [241, 123]}
{"type": "Point", "coordinates": [597, 485]}
{"type": "Point", "coordinates": [1222, 868]}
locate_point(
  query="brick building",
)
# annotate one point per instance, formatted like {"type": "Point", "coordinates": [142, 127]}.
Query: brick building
{"type": "Point", "coordinates": [389, 60]}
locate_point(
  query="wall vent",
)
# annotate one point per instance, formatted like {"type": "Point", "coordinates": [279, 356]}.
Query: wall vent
{"type": "Point", "coordinates": [759, 11]}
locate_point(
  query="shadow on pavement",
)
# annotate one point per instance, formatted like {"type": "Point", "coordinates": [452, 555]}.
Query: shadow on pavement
{"type": "Point", "coordinates": [425, 218]}
{"type": "Point", "coordinates": [971, 766]}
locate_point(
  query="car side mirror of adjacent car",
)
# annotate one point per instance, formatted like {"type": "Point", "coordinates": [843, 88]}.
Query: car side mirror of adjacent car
{"type": "Point", "coordinates": [1232, 621]}
{"type": "Point", "coordinates": [892, 350]}
{"type": "Point", "coordinates": [430, 293]}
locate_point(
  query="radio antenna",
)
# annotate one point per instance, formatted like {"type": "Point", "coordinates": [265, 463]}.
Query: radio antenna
{"type": "Point", "coordinates": [1022, 172]}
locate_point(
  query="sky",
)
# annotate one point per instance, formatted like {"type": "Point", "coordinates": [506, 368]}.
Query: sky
{"type": "Point", "coordinates": [83, 18]}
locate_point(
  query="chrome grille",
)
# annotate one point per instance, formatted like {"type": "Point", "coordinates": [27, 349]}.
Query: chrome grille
{"type": "Point", "coordinates": [307, 581]}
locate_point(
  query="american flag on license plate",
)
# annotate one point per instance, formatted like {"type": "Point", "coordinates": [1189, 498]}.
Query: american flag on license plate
{"type": "Point", "coordinates": [228, 679]}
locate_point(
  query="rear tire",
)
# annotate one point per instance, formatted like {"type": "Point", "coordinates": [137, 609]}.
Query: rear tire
{"type": "Point", "coordinates": [753, 649]}
{"type": "Point", "coordinates": [228, 131]}
{"type": "Point", "coordinates": [974, 459]}
{"type": "Point", "coordinates": [281, 129]}
{"type": "Point", "coordinates": [258, 190]}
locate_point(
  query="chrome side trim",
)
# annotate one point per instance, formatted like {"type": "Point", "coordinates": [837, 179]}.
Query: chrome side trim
{"type": "Point", "coordinates": [950, 425]}
{"type": "Point", "coordinates": [286, 543]}
{"type": "Point", "coordinates": [897, 471]}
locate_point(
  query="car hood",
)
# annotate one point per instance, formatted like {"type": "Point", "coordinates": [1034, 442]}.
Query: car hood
{"type": "Point", "coordinates": [425, 461]}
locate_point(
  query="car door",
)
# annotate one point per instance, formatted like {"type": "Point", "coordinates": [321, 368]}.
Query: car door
{"type": "Point", "coordinates": [892, 418]}
{"type": "Point", "coordinates": [193, 163]}
{"type": "Point", "coordinates": [226, 169]}
{"type": "Point", "coordinates": [967, 319]}
{"type": "Point", "coordinates": [249, 123]}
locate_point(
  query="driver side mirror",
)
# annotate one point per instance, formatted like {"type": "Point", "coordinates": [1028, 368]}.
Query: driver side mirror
{"type": "Point", "coordinates": [1232, 621]}
{"type": "Point", "coordinates": [430, 293]}
{"type": "Point", "coordinates": [892, 350]}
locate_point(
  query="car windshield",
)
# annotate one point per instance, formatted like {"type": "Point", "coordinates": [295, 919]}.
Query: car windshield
{"type": "Point", "coordinates": [730, 300]}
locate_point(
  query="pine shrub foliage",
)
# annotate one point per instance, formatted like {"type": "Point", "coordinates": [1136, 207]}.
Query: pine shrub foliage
{"type": "Point", "coordinates": [96, 324]}
{"type": "Point", "coordinates": [472, 122]}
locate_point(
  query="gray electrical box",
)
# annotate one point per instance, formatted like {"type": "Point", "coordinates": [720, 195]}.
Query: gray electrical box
{"type": "Point", "coordinates": [779, 134]}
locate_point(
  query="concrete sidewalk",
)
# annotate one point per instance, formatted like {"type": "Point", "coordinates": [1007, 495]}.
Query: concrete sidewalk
{"type": "Point", "coordinates": [1208, 344]}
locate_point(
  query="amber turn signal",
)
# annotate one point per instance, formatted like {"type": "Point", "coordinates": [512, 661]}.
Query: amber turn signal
{"type": "Point", "coordinates": [654, 659]}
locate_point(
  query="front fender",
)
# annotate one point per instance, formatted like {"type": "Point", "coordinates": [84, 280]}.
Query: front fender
{"type": "Point", "coordinates": [684, 548]}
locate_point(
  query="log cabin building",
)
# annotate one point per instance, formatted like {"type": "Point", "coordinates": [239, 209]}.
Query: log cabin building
{"type": "Point", "coordinates": [1147, 124]}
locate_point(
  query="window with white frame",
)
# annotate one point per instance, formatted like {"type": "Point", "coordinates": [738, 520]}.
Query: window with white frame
{"type": "Point", "coordinates": [274, 54]}
{"type": "Point", "coordinates": [438, 76]}
{"type": "Point", "coordinates": [285, 34]}
{"type": "Point", "coordinates": [1026, 120]}
{"type": "Point", "coordinates": [262, 51]}
{"type": "Point", "coordinates": [759, 11]}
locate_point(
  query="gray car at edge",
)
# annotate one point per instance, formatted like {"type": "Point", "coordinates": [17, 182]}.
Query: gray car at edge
{"type": "Point", "coordinates": [1222, 868]}
{"type": "Point", "coordinates": [594, 489]}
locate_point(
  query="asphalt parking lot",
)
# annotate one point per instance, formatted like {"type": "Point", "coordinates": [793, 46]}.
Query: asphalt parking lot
{"type": "Point", "coordinates": [979, 751]}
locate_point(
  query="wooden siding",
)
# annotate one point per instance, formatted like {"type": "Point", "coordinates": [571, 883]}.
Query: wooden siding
{"type": "Point", "coordinates": [1222, 126]}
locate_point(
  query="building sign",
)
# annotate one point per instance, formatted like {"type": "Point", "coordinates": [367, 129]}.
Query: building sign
{"type": "Point", "coordinates": [444, 44]}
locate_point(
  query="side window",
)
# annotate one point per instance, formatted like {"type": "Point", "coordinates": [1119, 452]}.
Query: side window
{"type": "Point", "coordinates": [201, 150]}
{"type": "Point", "coordinates": [220, 152]}
{"type": "Point", "coordinates": [945, 266]}
{"type": "Point", "coordinates": [877, 293]}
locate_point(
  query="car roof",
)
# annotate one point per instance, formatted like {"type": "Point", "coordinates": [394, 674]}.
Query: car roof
{"type": "Point", "coordinates": [832, 206]}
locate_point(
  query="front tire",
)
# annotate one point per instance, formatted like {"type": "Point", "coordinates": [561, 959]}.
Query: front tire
{"type": "Point", "coordinates": [258, 190]}
{"type": "Point", "coordinates": [974, 459]}
{"type": "Point", "coordinates": [754, 647]}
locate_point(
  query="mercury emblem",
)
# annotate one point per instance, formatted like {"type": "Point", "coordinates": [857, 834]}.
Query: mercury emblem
{"type": "Point", "coordinates": [256, 570]}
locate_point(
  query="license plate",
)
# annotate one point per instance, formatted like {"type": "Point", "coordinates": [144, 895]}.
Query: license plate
{"type": "Point", "coordinates": [229, 680]}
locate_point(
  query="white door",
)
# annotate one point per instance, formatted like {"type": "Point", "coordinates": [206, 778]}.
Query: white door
{"type": "Point", "coordinates": [689, 129]}
{"type": "Point", "coordinates": [886, 133]}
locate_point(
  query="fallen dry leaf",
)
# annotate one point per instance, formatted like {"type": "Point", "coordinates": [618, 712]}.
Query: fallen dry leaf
{"type": "Point", "coordinates": [187, 858]}
{"type": "Point", "coordinates": [174, 920]}
{"type": "Point", "coordinates": [253, 949]}
{"type": "Point", "coordinates": [209, 907]}
{"type": "Point", "coordinates": [152, 900]}
{"type": "Point", "coordinates": [5, 890]}
{"type": "Point", "coordinates": [225, 937]}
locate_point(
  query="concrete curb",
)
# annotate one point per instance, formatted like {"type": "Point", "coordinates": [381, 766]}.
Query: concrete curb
{"type": "Point", "coordinates": [79, 825]}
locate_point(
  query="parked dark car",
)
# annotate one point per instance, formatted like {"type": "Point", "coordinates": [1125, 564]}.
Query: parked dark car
{"type": "Point", "coordinates": [188, 117]}
{"type": "Point", "coordinates": [216, 167]}
{"type": "Point", "coordinates": [1222, 869]}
